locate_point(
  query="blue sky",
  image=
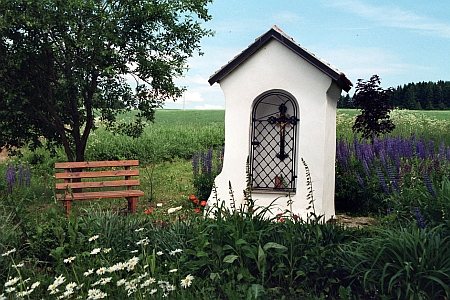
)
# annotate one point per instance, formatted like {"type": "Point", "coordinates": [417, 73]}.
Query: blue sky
{"type": "Point", "coordinates": [402, 41]}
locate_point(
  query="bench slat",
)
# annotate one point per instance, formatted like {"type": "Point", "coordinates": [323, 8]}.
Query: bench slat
{"type": "Point", "coordinates": [98, 195]}
{"type": "Point", "coordinates": [96, 164]}
{"type": "Point", "coordinates": [96, 174]}
{"type": "Point", "coordinates": [97, 184]}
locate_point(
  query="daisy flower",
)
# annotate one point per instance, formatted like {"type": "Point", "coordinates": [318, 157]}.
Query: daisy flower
{"type": "Point", "coordinates": [88, 272]}
{"type": "Point", "coordinates": [9, 252]}
{"type": "Point", "coordinates": [134, 260]}
{"type": "Point", "coordinates": [101, 271]}
{"type": "Point", "coordinates": [71, 286]}
{"type": "Point", "coordinates": [175, 251]}
{"type": "Point", "coordinates": [187, 281]}
{"type": "Point", "coordinates": [69, 259]}
{"type": "Point", "coordinates": [173, 270]}
{"type": "Point", "coordinates": [96, 251]}
{"type": "Point", "coordinates": [58, 280]}
{"type": "Point", "coordinates": [18, 266]}
{"type": "Point", "coordinates": [12, 281]}
{"type": "Point", "coordinates": [93, 238]}
{"type": "Point", "coordinates": [121, 282]}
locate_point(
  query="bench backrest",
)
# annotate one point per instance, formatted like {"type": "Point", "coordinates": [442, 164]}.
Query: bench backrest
{"type": "Point", "coordinates": [81, 170]}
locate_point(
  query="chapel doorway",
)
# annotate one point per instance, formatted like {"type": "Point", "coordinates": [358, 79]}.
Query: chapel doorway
{"type": "Point", "coordinates": [274, 142]}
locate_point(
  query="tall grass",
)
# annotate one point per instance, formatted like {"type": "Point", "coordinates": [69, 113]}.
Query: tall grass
{"type": "Point", "coordinates": [434, 125]}
{"type": "Point", "coordinates": [174, 134]}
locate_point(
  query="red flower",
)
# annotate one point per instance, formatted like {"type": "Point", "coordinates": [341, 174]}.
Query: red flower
{"type": "Point", "coordinates": [203, 203]}
{"type": "Point", "coordinates": [281, 220]}
{"type": "Point", "coordinates": [197, 210]}
{"type": "Point", "coordinates": [195, 201]}
{"type": "Point", "coordinates": [148, 211]}
{"type": "Point", "coordinates": [192, 197]}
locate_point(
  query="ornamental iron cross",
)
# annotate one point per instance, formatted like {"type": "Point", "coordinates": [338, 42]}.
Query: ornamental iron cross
{"type": "Point", "coordinates": [282, 120]}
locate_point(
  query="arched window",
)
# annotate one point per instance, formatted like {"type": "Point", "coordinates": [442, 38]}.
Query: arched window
{"type": "Point", "coordinates": [274, 141]}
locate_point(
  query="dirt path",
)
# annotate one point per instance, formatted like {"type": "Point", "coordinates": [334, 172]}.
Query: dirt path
{"type": "Point", "coordinates": [348, 221]}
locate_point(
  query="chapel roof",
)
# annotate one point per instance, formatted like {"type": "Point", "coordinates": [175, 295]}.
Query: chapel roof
{"type": "Point", "coordinates": [277, 34]}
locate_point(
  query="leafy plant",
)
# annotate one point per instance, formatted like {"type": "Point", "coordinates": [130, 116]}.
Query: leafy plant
{"type": "Point", "coordinates": [405, 263]}
{"type": "Point", "coordinates": [373, 102]}
{"type": "Point", "coordinates": [206, 166]}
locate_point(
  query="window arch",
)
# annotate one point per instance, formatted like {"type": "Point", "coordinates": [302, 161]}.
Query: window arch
{"type": "Point", "coordinates": [273, 148]}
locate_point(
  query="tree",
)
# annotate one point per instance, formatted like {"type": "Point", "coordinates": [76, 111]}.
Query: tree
{"type": "Point", "coordinates": [372, 100]}
{"type": "Point", "coordinates": [63, 63]}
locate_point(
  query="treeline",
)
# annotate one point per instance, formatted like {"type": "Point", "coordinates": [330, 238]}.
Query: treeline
{"type": "Point", "coordinates": [422, 95]}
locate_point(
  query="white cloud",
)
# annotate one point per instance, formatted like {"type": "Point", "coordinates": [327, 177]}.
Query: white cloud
{"type": "Point", "coordinates": [191, 97]}
{"type": "Point", "coordinates": [286, 17]}
{"type": "Point", "coordinates": [363, 62]}
{"type": "Point", "coordinates": [393, 16]}
{"type": "Point", "coordinates": [208, 107]}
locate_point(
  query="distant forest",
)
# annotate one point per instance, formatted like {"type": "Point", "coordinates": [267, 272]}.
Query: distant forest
{"type": "Point", "coordinates": [417, 96]}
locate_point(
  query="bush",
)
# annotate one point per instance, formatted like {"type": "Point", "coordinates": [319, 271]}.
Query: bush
{"type": "Point", "coordinates": [206, 166]}
{"type": "Point", "coordinates": [406, 263]}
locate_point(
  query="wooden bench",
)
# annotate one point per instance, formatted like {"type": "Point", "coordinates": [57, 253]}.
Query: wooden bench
{"type": "Point", "coordinates": [78, 176]}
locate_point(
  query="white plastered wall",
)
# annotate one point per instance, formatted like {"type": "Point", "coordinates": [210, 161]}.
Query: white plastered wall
{"type": "Point", "coordinates": [274, 66]}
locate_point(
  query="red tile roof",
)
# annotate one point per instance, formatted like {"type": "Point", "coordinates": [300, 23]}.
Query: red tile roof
{"type": "Point", "coordinates": [277, 34]}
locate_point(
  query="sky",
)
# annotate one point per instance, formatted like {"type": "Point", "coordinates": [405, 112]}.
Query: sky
{"type": "Point", "coordinates": [402, 41]}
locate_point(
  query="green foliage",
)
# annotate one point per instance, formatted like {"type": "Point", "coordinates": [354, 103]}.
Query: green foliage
{"type": "Point", "coordinates": [405, 263]}
{"type": "Point", "coordinates": [63, 64]}
{"type": "Point", "coordinates": [373, 102]}
{"type": "Point", "coordinates": [206, 166]}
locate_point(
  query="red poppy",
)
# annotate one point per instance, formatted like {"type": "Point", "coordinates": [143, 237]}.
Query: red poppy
{"type": "Point", "coordinates": [281, 220]}
{"type": "Point", "coordinates": [203, 203]}
{"type": "Point", "coordinates": [197, 210]}
{"type": "Point", "coordinates": [148, 211]}
{"type": "Point", "coordinates": [195, 201]}
{"type": "Point", "coordinates": [192, 197]}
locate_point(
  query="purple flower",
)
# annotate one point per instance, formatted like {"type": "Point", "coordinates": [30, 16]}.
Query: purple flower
{"type": "Point", "coordinates": [195, 166]}
{"type": "Point", "coordinates": [429, 185]}
{"type": "Point", "coordinates": [21, 174]}
{"type": "Point", "coordinates": [360, 181]}
{"type": "Point", "coordinates": [28, 176]}
{"type": "Point", "coordinates": [10, 177]}
{"type": "Point", "coordinates": [382, 181]}
{"type": "Point", "coordinates": [392, 178]}
{"type": "Point", "coordinates": [419, 218]}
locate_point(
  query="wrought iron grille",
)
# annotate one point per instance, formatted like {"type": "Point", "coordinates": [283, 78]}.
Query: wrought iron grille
{"type": "Point", "coordinates": [273, 144]}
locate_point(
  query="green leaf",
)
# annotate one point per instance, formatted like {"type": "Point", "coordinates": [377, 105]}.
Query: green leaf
{"type": "Point", "coordinates": [274, 246]}
{"type": "Point", "coordinates": [241, 242]}
{"type": "Point", "coordinates": [230, 258]}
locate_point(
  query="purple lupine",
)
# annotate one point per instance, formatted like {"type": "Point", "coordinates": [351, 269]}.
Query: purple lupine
{"type": "Point", "coordinates": [382, 181]}
{"type": "Point", "coordinates": [10, 177]}
{"type": "Point", "coordinates": [21, 174]}
{"type": "Point", "coordinates": [429, 185]}
{"type": "Point", "coordinates": [419, 218]}
{"type": "Point", "coordinates": [392, 177]}
{"type": "Point", "coordinates": [431, 148]}
{"type": "Point", "coordinates": [195, 166]}
{"type": "Point", "coordinates": [209, 161]}
{"type": "Point", "coordinates": [27, 176]}
{"type": "Point", "coordinates": [360, 181]}
{"type": "Point", "coordinates": [366, 167]}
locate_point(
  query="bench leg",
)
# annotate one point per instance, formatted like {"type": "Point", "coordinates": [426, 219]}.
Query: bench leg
{"type": "Point", "coordinates": [132, 204]}
{"type": "Point", "coordinates": [67, 205]}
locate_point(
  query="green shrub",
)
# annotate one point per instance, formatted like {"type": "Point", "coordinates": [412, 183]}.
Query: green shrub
{"type": "Point", "coordinates": [407, 263]}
